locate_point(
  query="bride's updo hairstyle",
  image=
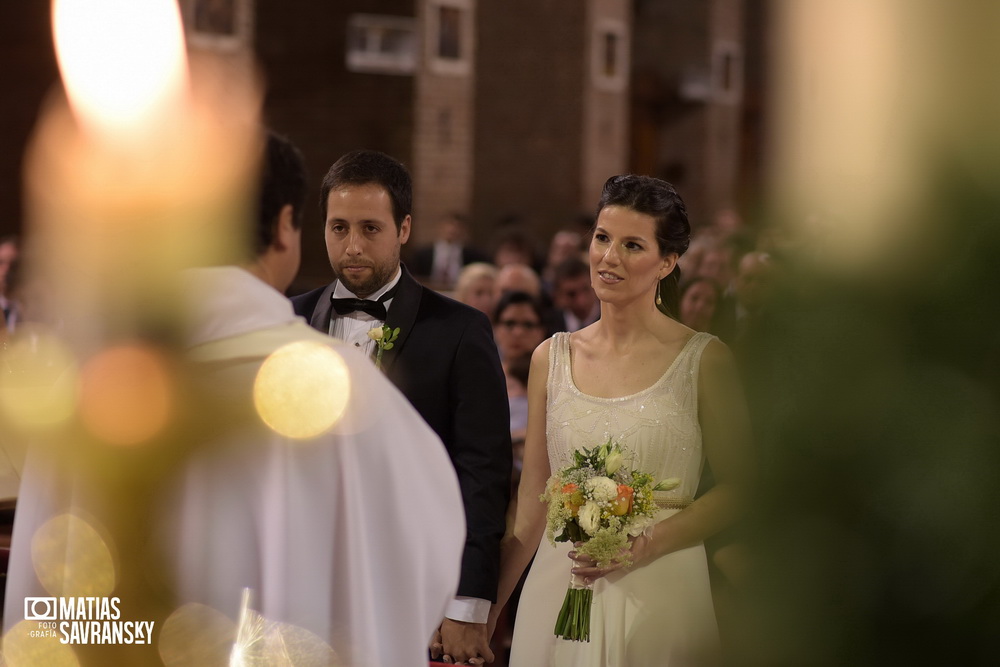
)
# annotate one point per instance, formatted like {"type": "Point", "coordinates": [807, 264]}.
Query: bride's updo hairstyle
{"type": "Point", "coordinates": [659, 200]}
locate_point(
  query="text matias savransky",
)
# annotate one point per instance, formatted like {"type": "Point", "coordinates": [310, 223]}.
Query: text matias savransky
{"type": "Point", "coordinates": [85, 620]}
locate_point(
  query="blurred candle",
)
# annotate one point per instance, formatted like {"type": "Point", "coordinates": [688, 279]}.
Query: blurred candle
{"type": "Point", "coordinates": [123, 63]}
{"type": "Point", "coordinates": [145, 166]}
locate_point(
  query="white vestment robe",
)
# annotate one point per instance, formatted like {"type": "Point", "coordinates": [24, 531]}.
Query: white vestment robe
{"type": "Point", "coordinates": [355, 535]}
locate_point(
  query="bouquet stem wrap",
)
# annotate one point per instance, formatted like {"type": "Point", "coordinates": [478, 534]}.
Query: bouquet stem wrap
{"type": "Point", "coordinates": [573, 622]}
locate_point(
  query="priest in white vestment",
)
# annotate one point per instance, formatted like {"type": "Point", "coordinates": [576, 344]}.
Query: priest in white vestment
{"type": "Point", "coordinates": [346, 543]}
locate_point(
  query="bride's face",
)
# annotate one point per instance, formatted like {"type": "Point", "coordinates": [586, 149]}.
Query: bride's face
{"type": "Point", "coordinates": [625, 260]}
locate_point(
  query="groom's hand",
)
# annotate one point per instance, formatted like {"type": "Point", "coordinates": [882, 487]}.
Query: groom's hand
{"type": "Point", "coordinates": [465, 642]}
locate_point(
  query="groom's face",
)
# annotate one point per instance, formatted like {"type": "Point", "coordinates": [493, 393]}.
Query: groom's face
{"type": "Point", "coordinates": [362, 240]}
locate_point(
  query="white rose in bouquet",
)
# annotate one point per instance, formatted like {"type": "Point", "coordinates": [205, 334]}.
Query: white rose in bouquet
{"type": "Point", "coordinates": [602, 489]}
{"type": "Point", "coordinates": [590, 517]}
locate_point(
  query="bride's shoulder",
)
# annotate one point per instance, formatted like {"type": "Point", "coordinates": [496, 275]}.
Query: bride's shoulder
{"type": "Point", "coordinates": [541, 353]}
{"type": "Point", "coordinates": [717, 362]}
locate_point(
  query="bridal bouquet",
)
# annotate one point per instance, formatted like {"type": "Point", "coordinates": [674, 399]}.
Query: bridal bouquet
{"type": "Point", "coordinates": [600, 502]}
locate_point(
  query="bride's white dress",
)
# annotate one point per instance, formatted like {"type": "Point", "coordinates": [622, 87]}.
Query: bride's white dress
{"type": "Point", "coordinates": [660, 614]}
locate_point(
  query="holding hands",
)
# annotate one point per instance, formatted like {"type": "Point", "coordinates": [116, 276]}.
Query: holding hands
{"type": "Point", "coordinates": [461, 643]}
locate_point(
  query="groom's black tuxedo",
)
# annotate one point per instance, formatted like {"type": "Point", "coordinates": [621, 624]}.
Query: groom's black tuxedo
{"type": "Point", "coordinates": [446, 363]}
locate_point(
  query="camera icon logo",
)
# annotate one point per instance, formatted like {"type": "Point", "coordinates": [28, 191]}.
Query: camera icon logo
{"type": "Point", "coordinates": [39, 609]}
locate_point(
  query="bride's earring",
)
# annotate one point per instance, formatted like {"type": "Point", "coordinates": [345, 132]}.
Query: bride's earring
{"type": "Point", "coordinates": [659, 301]}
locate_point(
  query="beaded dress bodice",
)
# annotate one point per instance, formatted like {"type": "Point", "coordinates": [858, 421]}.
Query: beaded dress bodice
{"type": "Point", "coordinates": [658, 425]}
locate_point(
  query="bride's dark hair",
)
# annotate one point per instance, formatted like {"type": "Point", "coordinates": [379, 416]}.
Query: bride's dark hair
{"type": "Point", "coordinates": [659, 200]}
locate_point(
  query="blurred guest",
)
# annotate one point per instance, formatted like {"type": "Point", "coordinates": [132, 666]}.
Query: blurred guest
{"type": "Point", "coordinates": [518, 324]}
{"type": "Point", "coordinates": [30, 297]}
{"type": "Point", "coordinates": [727, 223]}
{"type": "Point", "coordinates": [521, 278]}
{"type": "Point", "coordinates": [441, 262]}
{"type": "Point", "coordinates": [517, 278]}
{"type": "Point", "coordinates": [518, 330]}
{"type": "Point", "coordinates": [753, 279]}
{"type": "Point", "coordinates": [752, 287]}
{"type": "Point", "coordinates": [565, 244]}
{"type": "Point", "coordinates": [699, 298]}
{"type": "Point", "coordinates": [516, 370]}
{"type": "Point", "coordinates": [476, 287]}
{"type": "Point", "coordinates": [718, 263]}
{"type": "Point", "coordinates": [741, 312]}
{"type": "Point", "coordinates": [514, 246]}
{"type": "Point", "coordinates": [690, 262]}
{"type": "Point", "coordinates": [8, 253]}
{"type": "Point", "coordinates": [574, 296]}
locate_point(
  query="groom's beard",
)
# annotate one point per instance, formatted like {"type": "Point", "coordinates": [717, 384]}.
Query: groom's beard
{"type": "Point", "coordinates": [381, 274]}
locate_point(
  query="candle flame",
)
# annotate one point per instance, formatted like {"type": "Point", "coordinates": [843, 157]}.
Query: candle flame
{"type": "Point", "coordinates": [122, 61]}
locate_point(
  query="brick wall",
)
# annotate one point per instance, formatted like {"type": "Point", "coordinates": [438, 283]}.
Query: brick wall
{"type": "Point", "coordinates": [442, 134]}
{"type": "Point", "coordinates": [27, 73]}
{"type": "Point", "coordinates": [604, 138]}
{"type": "Point", "coordinates": [529, 114]}
{"type": "Point", "coordinates": [681, 131]}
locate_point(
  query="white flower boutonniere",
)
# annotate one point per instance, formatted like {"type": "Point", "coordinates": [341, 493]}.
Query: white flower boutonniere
{"type": "Point", "coordinates": [384, 338]}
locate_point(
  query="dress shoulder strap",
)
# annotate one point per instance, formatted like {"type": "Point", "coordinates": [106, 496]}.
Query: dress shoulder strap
{"type": "Point", "coordinates": [559, 363]}
{"type": "Point", "coordinates": [690, 362]}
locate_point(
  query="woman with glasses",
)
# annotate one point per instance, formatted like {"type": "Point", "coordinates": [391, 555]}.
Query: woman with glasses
{"type": "Point", "coordinates": [517, 329]}
{"type": "Point", "coordinates": [517, 324]}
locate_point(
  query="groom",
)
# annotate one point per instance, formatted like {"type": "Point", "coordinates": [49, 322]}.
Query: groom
{"type": "Point", "coordinates": [444, 361]}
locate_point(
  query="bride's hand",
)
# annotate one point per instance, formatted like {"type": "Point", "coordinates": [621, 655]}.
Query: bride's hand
{"type": "Point", "coordinates": [586, 567]}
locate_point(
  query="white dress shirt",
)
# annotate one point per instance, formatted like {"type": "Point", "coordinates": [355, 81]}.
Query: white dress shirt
{"type": "Point", "coordinates": [353, 328]}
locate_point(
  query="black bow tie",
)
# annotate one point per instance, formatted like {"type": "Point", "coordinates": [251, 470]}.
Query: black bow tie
{"type": "Point", "coordinates": [374, 308]}
{"type": "Point", "coordinates": [346, 306]}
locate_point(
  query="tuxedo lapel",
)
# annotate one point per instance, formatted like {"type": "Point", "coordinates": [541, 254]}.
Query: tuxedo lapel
{"type": "Point", "coordinates": [320, 319]}
{"type": "Point", "coordinates": [402, 314]}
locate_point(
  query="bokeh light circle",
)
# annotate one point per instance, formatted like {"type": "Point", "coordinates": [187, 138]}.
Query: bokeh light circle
{"type": "Point", "coordinates": [38, 380]}
{"type": "Point", "coordinates": [126, 394]}
{"type": "Point", "coordinates": [302, 389]}
{"type": "Point", "coordinates": [72, 559]}
{"type": "Point", "coordinates": [196, 634]}
{"type": "Point", "coordinates": [22, 647]}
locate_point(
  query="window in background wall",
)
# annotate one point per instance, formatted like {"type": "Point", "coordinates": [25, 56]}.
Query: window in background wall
{"type": "Point", "coordinates": [609, 55]}
{"type": "Point", "coordinates": [380, 44]}
{"type": "Point", "coordinates": [449, 36]}
{"type": "Point", "coordinates": [225, 25]}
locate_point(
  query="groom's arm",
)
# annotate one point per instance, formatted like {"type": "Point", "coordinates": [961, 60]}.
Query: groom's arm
{"type": "Point", "coordinates": [481, 454]}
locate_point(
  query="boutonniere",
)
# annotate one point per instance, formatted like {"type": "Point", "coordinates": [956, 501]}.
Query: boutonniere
{"type": "Point", "coordinates": [384, 338]}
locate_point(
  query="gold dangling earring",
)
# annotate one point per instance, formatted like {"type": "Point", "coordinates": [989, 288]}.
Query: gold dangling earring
{"type": "Point", "coordinates": [659, 301]}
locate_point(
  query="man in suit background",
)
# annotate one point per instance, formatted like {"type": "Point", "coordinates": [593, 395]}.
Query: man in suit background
{"type": "Point", "coordinates": [444, 361]}
{"type": "Point", "coordinates": [441, 262]}
{"type": "Point", "coordinates": [574, 295]}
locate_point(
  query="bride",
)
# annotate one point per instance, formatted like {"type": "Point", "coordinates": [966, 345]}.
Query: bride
{"type": "Point", "coordinates": [669, 395]}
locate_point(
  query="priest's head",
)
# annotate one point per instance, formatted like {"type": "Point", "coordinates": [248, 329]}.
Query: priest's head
{"type": "Point", "coordinates": [282, 192]}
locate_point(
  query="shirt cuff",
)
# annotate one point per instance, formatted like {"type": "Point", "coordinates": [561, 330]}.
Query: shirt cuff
{"type": "Point", "coordinates": [469, 610]}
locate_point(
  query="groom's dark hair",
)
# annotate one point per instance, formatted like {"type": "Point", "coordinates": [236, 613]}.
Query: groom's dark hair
{"type": "Point", "coordinates": [366, 167]}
